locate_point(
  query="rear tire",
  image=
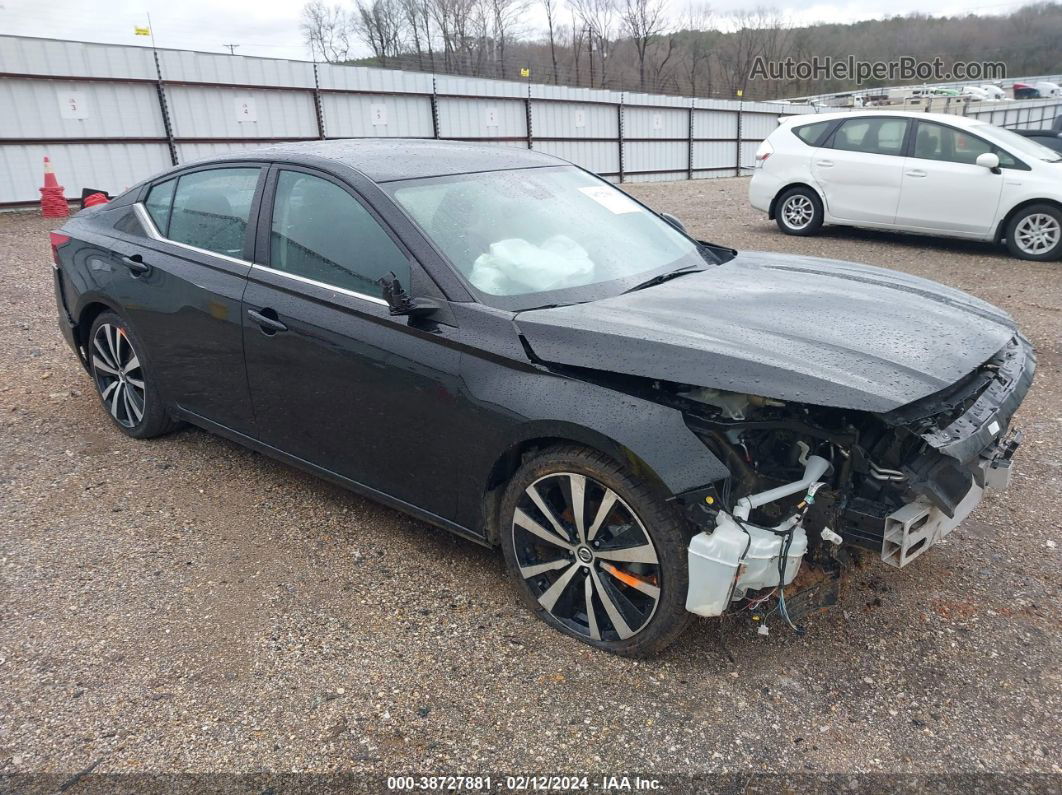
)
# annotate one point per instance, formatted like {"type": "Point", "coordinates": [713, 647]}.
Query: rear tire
{"type": "Point", "coordinates": [616, 581]}
{"type": "Point", "coordinates": [1035, 233]}
{"type": "Point", "coordinates": [123, 378]}
{"type": "Point", "coordinates": [799, 212]}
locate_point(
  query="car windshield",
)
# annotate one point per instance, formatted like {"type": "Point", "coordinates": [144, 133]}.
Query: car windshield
{"type": "Point", "coordinates": [1022, 146]}
{"type": "Point", "coordinates": [543, 236]}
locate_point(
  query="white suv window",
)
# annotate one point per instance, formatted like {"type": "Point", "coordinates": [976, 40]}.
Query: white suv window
{"type": "Point", "coordinates": [940, 142]}
{"type": "Point", "coordinates": [811, 133]}
{"type": "Point", "coordinates": [882, 136]}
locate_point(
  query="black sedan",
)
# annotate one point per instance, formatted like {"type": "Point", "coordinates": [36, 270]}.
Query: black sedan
{"type": "Point", "coordinates": [509, 347]}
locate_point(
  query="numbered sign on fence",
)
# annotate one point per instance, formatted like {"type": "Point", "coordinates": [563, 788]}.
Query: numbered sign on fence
{"type": "Point", "coordinates": [245, 109]}
{"type": "Point", "coordinates": [72, 105]}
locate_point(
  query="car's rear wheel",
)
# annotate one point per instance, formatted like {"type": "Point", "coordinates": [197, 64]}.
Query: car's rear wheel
{"type": "Point", "coordinates": [1035, 233]}
{"type": "Point", "coordinates": [123, 379]}
{"type": "Point", "coordinates": [595, 553]}
{"type": "Point", "coordinates": [799, 212]}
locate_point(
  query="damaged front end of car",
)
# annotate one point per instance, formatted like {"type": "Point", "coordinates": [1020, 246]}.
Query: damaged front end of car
{"type": "Point", "coordinates": [808, 484]}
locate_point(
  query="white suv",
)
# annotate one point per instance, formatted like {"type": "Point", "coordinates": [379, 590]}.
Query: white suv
{"type": "Point", "coordinates": [918, 172]}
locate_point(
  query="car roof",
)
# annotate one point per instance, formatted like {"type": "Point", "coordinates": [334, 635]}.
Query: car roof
{"type": "Point", "coordinates": [391, 159]}
{"type": "Point", "coordinates": [945, 118]}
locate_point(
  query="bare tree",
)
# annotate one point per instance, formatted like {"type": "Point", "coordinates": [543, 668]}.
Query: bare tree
{"type": "Point", "coordinates": [505, 20]}
{"type": "Point", "coordinates": [417, 21]}
{"type": "Point", "coordinates": [326, 31]}
{"type": "Point", "coordinates": [599, 17]}
{"type": "Point", "coordinates": [578, 32]}
{"type": "Point", "coordinates": [379, 23]}
{"type": "Point", "coordinates": [551, 11]}
{"type": "Point", "coordinates": [643, 21]}
{"type": "Point", "coordinates": [697, 56]}
{"type": "Point", "coordinates": [460, 27]}
{"type": "Point", "coordinates": [760, 33]}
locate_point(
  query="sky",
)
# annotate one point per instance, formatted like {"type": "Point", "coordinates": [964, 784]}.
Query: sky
{"type": "Point", "coordinates": [270, 28]}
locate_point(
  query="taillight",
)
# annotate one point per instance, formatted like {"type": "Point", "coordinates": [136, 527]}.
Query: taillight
{"type": "Point", "coordinates": [764, 151]}
{"type": "Point", "coordinates": [57, 239]}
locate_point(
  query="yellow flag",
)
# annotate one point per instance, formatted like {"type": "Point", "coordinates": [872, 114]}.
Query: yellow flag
{"type": "Point", "coordinates": [139, 31]}
{"type": "Point", "coordinates": [525, 72]}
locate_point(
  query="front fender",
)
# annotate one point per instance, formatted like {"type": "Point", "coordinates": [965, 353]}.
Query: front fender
{"type": "Point", "coordinates": [527, 404]}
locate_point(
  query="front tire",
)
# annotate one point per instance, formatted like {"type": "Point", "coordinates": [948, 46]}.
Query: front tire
{"type": "Point", "coordinates": [595, 553]}
{"type": "Point", "coordinates": [124, 380]}
{"type": "Point", "coordinates": [1035, 233]}
{"type": "Point", "coordinates": [799, 212]}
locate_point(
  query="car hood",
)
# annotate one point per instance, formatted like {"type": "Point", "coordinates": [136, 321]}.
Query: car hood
{"type": "Point", "coordinates": [802, 329]}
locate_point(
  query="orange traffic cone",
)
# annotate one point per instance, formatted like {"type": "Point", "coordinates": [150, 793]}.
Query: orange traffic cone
{"type": "Point", "coordinates": [53, 202]}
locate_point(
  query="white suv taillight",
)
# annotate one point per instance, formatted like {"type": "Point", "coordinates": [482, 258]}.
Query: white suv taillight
{"type": "Point", "coordinates": [764, 151]}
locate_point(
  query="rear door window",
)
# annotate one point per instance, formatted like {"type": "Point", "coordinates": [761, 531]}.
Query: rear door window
{"type": "Point", "coordinates": [811, 133]}
{"type": "Point", "coordinates": [211, 209]}
{"type": "Point", "coordinates": [871, 136]}
{"type": "Point", "coordinates": [158, 204]}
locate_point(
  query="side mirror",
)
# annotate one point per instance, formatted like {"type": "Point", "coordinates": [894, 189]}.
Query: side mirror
{"type": "Point", "coordinates": [989, 160]}
{"type": "Point", "coordinates": [675, 222]}
{"type": "Point", "coordinates": [399, 302]}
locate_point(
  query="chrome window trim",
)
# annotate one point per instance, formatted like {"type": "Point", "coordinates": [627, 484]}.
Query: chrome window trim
{"type": "Point", "coordinates": [303, 280]}
{"type": "Point", "coordinates": [152, 231]}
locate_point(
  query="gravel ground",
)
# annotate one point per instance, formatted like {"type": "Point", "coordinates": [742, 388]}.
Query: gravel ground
{"type": "Point", "coordinates": [186, 605]}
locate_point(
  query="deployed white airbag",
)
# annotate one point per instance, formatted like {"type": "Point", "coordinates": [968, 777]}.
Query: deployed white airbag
{"type": "Point", "coordinates": [517, 266]}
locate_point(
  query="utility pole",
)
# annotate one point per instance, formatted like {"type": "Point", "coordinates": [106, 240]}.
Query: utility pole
{"type": "Point", "coordinates": [232, 48]}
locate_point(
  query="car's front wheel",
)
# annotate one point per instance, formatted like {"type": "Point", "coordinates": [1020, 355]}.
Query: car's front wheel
{"type": "Point", "coordinates": [799, 211]}
{"type": "Point", "coordinates": [1035, 233]}
{"type": "Point", "coordinates": [596, 553]}
{"type": "Point", "coordinates": [123, 379]}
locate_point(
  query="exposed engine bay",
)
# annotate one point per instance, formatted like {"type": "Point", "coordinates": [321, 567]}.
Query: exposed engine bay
{"type": "Point", "coordinates": [810, 484]}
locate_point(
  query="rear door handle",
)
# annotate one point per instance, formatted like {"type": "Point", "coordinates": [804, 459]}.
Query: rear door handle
{"type": "Point", "coordinates": [917, 172]}
{"type": "Point", "coordinates": [136, 264]}
{"type": "Point", "coordinates": [824, 163]}
{"type": "Point", "coordinates": [270, 325]}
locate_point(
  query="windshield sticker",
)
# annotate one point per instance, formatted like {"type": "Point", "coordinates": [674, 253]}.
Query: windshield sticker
{"type": "Point", "coordinates": [611, 199]}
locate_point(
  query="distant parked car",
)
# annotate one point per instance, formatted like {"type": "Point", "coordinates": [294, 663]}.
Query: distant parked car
{"type": "Point", "coordinates": [1025, 91]}
{"type": "Point", "coordinates": [1048, 89]}
{"type": "Point", "coordinates": [974, 94]}
{"type": "Point", "coordinates": [1052, 139]}
{"type": "Point", "coordinates": [918, 172]}
{"type": "Point", "coordinates": [994, 93]}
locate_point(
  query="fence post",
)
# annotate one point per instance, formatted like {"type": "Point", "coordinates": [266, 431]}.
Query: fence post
{"type": "Point", "coordinates": [737, 161]}
{"type": "Point", "coordinates": [434, 109]}
{"type": "Point", "coordinates": [619, 135]}
{"type": "Point", "coordinates": [318, 112]}
{"type": "Point", "coordinates": [689, 153]}
{"type": "Point", "coordinates": [527, 112]}
{"type": "Point", "coordinates": [160, 89]}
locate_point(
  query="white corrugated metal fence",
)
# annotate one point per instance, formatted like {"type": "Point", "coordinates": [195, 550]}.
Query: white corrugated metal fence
{"type": "Point", "coordinates": [111, 115]}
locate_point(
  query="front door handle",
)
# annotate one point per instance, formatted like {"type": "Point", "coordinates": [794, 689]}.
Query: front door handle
{"type": "Point", "coordinates": [824, 163]}
{"type": "Point", "coordinates": [917, 172]}
{"type": "Point", "coordinates": [136, 264]}
{"type": "Point", "coordinates": [270, 325]}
